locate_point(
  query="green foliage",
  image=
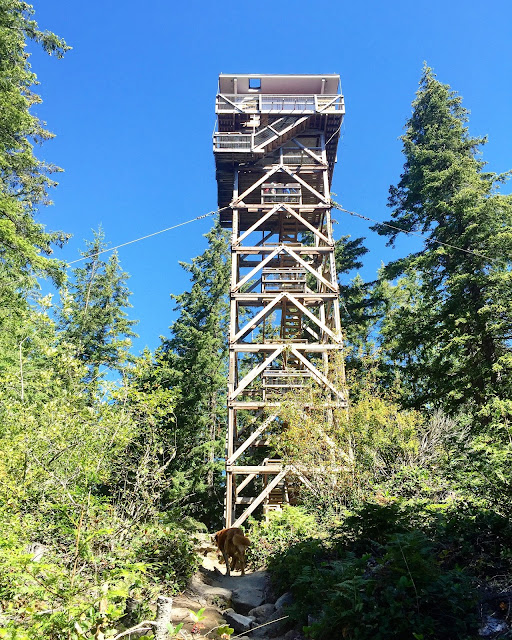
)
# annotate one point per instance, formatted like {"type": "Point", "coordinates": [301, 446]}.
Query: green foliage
{"type": "Point", "coordinates": [343, 454]}
{"type": "Point", "coordinates": [381, 576]}
{"type": "Point", "coordinates": [87, 573]}
{"type": "Point", "coordinates": [275, 535]}
{"type": "Point", "coordinates": [93, 317]}
{"type": "Point", "coordinates": [24, 180]}
{"type": "Point", "coordinates": [448, 322]}
{"type": "Point", "coordinates": [169, 552]}
{"type": "Point", "coordinates": [194, 362]}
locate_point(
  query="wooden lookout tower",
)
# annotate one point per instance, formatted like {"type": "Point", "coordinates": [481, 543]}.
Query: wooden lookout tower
{"type": "Point", "coordinates": [275, 149]}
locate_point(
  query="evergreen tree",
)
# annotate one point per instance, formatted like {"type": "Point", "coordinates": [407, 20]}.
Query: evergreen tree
{"type": "Point", "coordinates": [459, 334]}
{"type": "Point", "coordinates": [94, 319]}
{"type": "Point", "coordinates": [359, 308]}
{"type": "Point", "coordinates": [194, 360]}
{"type": "Point", "coordinates": [24, 180]}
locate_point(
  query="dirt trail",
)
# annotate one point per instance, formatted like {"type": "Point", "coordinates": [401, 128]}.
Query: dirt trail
{"type": "Point", "coordinates": [227, 600]}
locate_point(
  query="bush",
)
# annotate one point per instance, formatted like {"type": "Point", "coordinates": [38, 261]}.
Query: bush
{"type": "Point", "coordinates": [168, 552]}
{"type": "Point", "coordinates": [401, 594]}
{"type": "Point", "coordinates": [405, 569]}
{"type": "Point", "coordinates": [282, 529]}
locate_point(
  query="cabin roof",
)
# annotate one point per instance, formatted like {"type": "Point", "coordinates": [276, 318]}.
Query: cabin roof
{"type": "Point", "coordinates": [305, 84]}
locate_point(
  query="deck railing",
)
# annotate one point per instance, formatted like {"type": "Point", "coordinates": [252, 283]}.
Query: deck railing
{"type": "Point", "coordinates": [228, 141]}
{"type": "Point", "coordinates": [233, 141]}
{"type": "Point", "coordinates": [266, 103]}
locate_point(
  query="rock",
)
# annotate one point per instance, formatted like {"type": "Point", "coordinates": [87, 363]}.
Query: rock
{"type": "Point", "coordinates": [180, 614]}
{"type": "Point", "coordinates": [239, 622]}
{"type": "Point", "coordinates": [271, 628]}
{"type": "Point", "coordinates": [293, 634]}
{"type": "Point", "coordinates": [207, 594]}
{"type": "Point", "coordinates": [218, 596]}
{"type": "Point", "coordinates": [246, 598]}
{"type": "Point", "coordinates": [492, 626]}
{"type": "Point", "coordinates": [285, 600]}
{"type": "Point", "coordinates": [263, 612]}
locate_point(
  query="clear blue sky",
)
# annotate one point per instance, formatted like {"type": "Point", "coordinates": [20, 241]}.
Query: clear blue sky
{"type": "Point", "coordinates": [132, 106]}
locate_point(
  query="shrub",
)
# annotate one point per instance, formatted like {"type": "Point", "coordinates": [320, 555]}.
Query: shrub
{"type": "Point", "coordinates": [282, 529]}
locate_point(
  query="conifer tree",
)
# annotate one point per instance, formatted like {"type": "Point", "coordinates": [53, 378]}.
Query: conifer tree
{"type": "Point", "coordinates": [94, 319]}
{"type": "Point", "coordinates": [194, 360]}
{"type": "Point", "coordinates": [459, 334]}
{"type": "Point", "coordinates": [24, 180]}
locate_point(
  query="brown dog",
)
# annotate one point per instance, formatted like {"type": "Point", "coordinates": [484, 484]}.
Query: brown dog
{"type": "Point", "coordinates": [232, 544]}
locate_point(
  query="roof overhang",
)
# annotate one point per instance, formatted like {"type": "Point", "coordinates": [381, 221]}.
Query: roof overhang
{"type": "Point", "coordinates": [280, 84]}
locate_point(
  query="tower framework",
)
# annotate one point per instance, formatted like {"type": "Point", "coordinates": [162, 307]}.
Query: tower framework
{"type": "Point", "coordinates": [275, 148]}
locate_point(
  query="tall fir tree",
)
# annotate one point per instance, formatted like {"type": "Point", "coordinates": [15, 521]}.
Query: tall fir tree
{"type": "Point", "coordinates": [93, 316]}
{"type": "Point", "coordinates": [194, 362]}
{"type": "Point", "coordinates": [24, 180]}
{"type": "Point", "coordinates": [458, 334]}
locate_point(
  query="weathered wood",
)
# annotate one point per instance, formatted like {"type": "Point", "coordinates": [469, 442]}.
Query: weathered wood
{"type": "Point", "coordinates": [259, 499]}
{"type": "Point", "coordinates": [163, 617]}
{"type": "Point", "coordinates": [295, 318]}
{"type": "Point", "coordinates": [254, 435]}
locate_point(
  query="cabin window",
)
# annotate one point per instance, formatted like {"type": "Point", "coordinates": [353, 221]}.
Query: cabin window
{"type": "Point", "coordinates": [255, 83]}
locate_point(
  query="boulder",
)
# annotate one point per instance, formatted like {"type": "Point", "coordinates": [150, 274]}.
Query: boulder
{"type": "Point", "coordinates": [240, 623]}
{"type": "Point", "coordinates": [246, 598]}
{"type": "Point", "coordinates": [263, 612]}
{"type": "Point", "coordinates": [271, 628]}
{"type": "Point", "coordinates": [284, 601]}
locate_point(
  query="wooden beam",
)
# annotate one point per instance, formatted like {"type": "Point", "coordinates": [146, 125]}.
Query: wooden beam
{"type": "Point", "coordinates": [309, 226]}
{"type": "Point", "coordinates": [295, 175]}
{"type": "Point", "coordinates": [245, 482]}
{"type": "Point", "coordinates": [256, 269]}
{"type": "Point", "coordinates": [266, 492]}
{"type": "Point", "coordinates": [254, 373]}
{"type": "Point", "coordinates": [302, 249]}
{"type": "Point", "coordinates": [256, 225]}
{"type": "Point", "coordinates": [259, 316]}
{"type": "Point", "coordinates": [231, 103]}
{"type": "Point", "coordinates": [306, 265]}
{"type": "Point", "coordinates": [265, 469]}
{"type": "Point", "coordinates": [312, 317]}
{"type": "Point", "coordinates": [254, 435]}
{"type": "Point", "coordinates": [259, 182]}
{"type": "Point", "coordinates": [311, 347]}
{"type": "Point", "coordinates": [317, 374]}
{"type": "Point", "coordinates": [310, 153]}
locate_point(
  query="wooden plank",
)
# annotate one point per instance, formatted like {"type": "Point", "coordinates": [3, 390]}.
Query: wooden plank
{"type": "Point", "coordinates": [254, 435]}
{"type": "Point", "coordinates": [255, 270]}
{"type": "Point", "coordinates": [259, 499]}
{"type": "Point", "coordinates": [255, 372]}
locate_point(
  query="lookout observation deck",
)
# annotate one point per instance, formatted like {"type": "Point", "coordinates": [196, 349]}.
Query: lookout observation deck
{"type": "Point", "coordinates": [275, 147]}
{"type": "Point", "coordinates": [274, 119]}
